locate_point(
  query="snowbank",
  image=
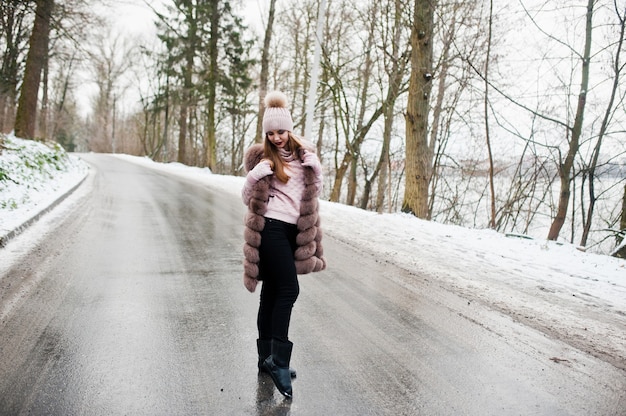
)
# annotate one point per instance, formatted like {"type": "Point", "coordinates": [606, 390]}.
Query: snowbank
{"type": "Point", "coordinates": [34, 176]}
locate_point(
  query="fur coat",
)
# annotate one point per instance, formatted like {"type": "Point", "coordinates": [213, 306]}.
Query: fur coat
{"type": "Point", "coordinates": [309, 255]}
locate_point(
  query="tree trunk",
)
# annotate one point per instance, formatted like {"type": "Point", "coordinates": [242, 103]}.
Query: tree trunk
{"type": "Point", "coordinates": [492, 192]}
{"type": "Point", "coordinates": [352, 182]}
{"type": "Point", "coordinates": [166, 120]}
{"type": "Point", "coordinates": [621, 251]}
{"type": "Point", "coordinates": [14, 37]}
{"type": "Point", "coordinates": [211, 145]}
{"type": "Point", "coordinates": [565, 168]}
{"type": "Point", "coordinates": [264, 71]}
{"type": "Point", "coordinates": [383, 161]}
{"type": "Point", "coordinates": [418, 153]}
{"type": "Point", "coordinates": [26, 117]}
{"type": "Point", "coordinates": [188, 83]}
{"type": "Point", "coordinates": [182, 131]}
{"type": "Point", "coordinates": [341, 170]}
{"type": "Point", "coordinates": [44, 113]}
{"type": "Point", "coordinates": [3, 111]}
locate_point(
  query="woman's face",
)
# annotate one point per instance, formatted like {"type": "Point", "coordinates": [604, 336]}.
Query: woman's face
{"type": "Point", "coordinates": [279, 138]}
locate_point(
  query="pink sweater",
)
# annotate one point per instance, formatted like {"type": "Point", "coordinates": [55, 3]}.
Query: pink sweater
{"type": "Point", "coordinates": [284, 202]}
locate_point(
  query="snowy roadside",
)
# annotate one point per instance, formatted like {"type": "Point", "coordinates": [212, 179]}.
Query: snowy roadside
{"type": "Point", "coordinates": [577, 297]}
{"type": "Point", "coordinates": [34, 178]}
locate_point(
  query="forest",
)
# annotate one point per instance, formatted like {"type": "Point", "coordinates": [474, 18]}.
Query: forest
{"type": "Point", "coordinates": [501, 114]}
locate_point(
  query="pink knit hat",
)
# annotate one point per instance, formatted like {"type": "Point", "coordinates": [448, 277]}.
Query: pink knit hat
{"type": "Point", "coordinates": [277, 115]}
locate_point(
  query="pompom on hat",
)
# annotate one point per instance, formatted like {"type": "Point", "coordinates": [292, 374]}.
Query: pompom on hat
{"type": "Point", "coordinates": [277, 115]}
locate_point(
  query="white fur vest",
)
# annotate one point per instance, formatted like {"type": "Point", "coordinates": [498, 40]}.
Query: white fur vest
{"type": "Point", "coordinates": [309, 255]}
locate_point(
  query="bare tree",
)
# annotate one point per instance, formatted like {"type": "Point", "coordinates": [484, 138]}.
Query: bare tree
{"type": "Point", "coordinates": [617, 67]}
{"type": "Point", "coordinates": [566, 166]}
{"type": "Point", "coordinates": [460, 40]}
{"type": "Point", "coordinates": [111, 60]}
{"type": "Point", "coordinates": [365, 76]}
{"type": "Point", "coordinates": [395, 65]}
{"type": "Point", "coordinates": [63, 109]}
{"type": "Point", "coordinates": [352, 71]}
{"type": "Point", "coordinates": [576, 135]}
{"type": "Point", "coordinates": [153, 124]}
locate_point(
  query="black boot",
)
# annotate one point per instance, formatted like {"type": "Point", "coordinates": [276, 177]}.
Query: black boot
{"type": "Point", "coordinates": [264, 347]}
{"type": "Point", "coordinates": [277, 365]}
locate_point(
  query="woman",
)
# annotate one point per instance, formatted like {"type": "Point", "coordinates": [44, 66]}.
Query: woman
{"type": "Point", "coordinates": [283, 235]}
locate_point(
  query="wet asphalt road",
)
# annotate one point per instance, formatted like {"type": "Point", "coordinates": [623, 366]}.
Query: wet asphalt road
{"type": "Point", "coordinates": [134, 305]}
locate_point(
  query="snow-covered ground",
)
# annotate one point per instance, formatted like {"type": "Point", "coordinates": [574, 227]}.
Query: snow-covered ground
{"type": "Point", "coordinates": [34, 176]}
{"type": "Point", "coordinates": [575, 296]}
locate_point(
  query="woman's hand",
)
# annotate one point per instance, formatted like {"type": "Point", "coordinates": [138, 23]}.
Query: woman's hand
{"type": "Point", "coordinates": [261, 170]}
{"type": "Point", "coordinates": [310, 160]}
{"type": "Point", "coordinates": [268, 161]}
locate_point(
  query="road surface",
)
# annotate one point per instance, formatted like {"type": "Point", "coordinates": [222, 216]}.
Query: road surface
{"type": "Point", "coordinates": [130, 302]}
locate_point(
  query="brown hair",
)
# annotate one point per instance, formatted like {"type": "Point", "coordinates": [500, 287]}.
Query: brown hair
{"type": "Point", "coordinates": [271, 153]}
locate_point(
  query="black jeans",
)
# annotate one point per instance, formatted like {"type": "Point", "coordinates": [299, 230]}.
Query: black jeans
{"type": "Point", "coordinates": [280, 288]}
